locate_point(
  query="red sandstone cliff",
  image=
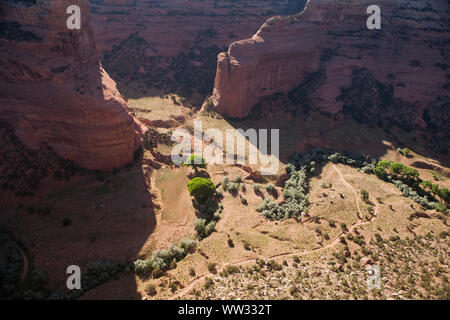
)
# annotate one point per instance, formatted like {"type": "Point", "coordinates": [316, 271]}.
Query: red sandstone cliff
{"type": "Point", "coordinates": [329, 47]}
{"type": "Point", "coordinates": [53, 89]}
{"type": "Point", "coordinates": [172, 45]}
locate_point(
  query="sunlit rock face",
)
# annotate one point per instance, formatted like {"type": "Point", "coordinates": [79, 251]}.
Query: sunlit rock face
{"type": "Point", "coordinates": [54, 90]}
{"type": "Point", "coordinates": [171, 45]}
{"type": "Point", "coordinates": [326, 57]}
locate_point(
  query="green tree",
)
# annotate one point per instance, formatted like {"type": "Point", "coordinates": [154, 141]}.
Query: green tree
{"type": "Point", "coordinates": [435, 189]}
{"type": "Point", "coordinates": [201, 189]}
{"type": "Point", "coordinates": [364, 195]}
{"type": "Point", "coordinates": [384, 163]}
{"type": "Point", "coordinates": [426, 184]}
{"type": "Point", "coordinates": [406, 152]}
{"type": "Point", "coordinates": [195, 161]}
{"type": "Point", "coordinates": [396, 168]}
{"type": "Point", "coordinates": [444, 194]}
{"type": "Point", "coordinates": [380, 172]}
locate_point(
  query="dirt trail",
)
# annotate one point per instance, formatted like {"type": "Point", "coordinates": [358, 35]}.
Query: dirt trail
{"type": "Point", "coordinates": [243, 262]}
{"type": "Point", "coordinates": [351, 188]}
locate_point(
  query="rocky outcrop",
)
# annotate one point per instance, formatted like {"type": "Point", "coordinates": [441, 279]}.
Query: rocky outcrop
{"type": "Point", "coordinates": [171, 46]}
{"type": "Point", "coordinates": [54, 91]}
{"type": "Point", "coordinates": [326, 58]}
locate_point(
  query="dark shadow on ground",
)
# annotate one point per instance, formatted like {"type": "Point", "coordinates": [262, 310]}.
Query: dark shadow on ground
{"type": "Point", "coordinates": [92, 217]}
{"type": "Point", "coordinates": [338, 133]}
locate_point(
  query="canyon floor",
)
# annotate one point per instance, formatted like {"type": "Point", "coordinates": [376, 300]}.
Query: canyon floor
{"type": "Point", "coordinates": [127, 214]}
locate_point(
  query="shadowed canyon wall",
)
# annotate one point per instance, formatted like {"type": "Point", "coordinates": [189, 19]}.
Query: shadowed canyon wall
{"type": "Point", "coordinates": [171, 46]}
{"type": "Point", "coordinates": [54, 90]}
{"type": "Point", "coordinates": [326, 58]}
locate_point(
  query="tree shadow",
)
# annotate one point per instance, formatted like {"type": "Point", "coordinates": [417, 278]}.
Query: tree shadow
{"type": "Point", "coordinates": [205, 210]}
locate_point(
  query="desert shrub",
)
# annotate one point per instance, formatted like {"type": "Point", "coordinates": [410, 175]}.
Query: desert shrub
{"type": "Point", "coordinates": [209, 105]}
{"type": "Point", "coordinates": [210, 228]}
{"type": "Point", "coordinates": [97, 273]}
{"type": "Point", "coordinates": [380, 173]}
{"type": "Point", "coordinates": [150, 289]}
{"type": "Point", "coordinates": [444, 194]}
{"type": "Point", "coordinates": [257, 187]}
{"type": "Point", "coordinates": [216, 216]}
{"type": "Point", "coordinates": [238, 178]}
{"type": "Point", "coordinates": [440, 207]}
{"type": "Point", "coordinates": [192, 271]}
{"type": "Point", "coordinates": [293, 291]}
{"type": "Point", "coordinates": [406, 152]}
{"type": "Point", "coordinates": [233, 187]}
{"type": "Point", "coordinates": [173, 286]}
{"type": "Point", "coordinates": [426, 184]}
{"type": "Point", "coordinates": [295, 194]}
{"type": "Point", "coordinates": [270, 188]}
{"type": "Point", "coordinates": [434, 189]}
{"type": "Point", "coordinates": [208, 283]}
{"type": "Point", "coordinates": [201, 188]}
{"type": "Point", "coordinates": [413, 195]}
{"type": "Point", "coordinates": [203, 228]}
{"type": "Point", "coordinates": [142, 267]}
{"type": "Point", "coordinates": [364, 195]}
{"type": "Point", "coordinates": [273, 265]}
{"type": "Point", "coordinates": [207, 206]}
{"type": "Point", "coordinates": [225, 184]}
{"type": "Point", "coordinates": [162, 260]}
{"type": "Point", "coordinates": [230, 270]}
{"type": "Point", "coordinates": [369, 169]}
{"type": "Point", "coordinates": [200, 227]}
{"type": "Point", "coordinates": [212, 267]}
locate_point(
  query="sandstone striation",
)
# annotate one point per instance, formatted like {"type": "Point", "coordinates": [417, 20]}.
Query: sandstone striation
{"type": "Point", "coordinates": [326, 58]}
{"type": "Point", "coordinates": [54, 90]}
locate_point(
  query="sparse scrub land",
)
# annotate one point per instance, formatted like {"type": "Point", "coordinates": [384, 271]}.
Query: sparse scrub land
{"type": "Point", "coordinates": [301, 168]}
{"type": "Point", "coordinates": [295, 274]}
{"type": "Point", "coordinates": [410, 270]}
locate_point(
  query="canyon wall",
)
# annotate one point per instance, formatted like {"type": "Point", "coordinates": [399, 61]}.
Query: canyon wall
{"type": "Point", "coordinates": [165, 46]}
{"type": "Point", "coordinates": [53, 89]}
{"type": "Point", "coordinates": [326, 58]}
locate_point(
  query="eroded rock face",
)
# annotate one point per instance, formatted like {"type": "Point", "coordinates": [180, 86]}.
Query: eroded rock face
{"type": "Point", "coordinates": [326, 58]}
{"type": "Point", "coordinates": [171, 46]}
{"type": "Point", "coordinates": [54, 91]}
